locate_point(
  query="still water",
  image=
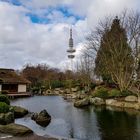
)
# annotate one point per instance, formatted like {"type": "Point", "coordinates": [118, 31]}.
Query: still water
{"type": "Point", "coordinates": [89, 123]}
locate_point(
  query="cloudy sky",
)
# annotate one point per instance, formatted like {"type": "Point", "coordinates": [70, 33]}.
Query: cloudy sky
{"type": "Point", "coordinates": [37, 31]}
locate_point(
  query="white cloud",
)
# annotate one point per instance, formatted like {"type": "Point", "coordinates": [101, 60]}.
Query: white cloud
{"type": "Point", "coordinates": [22, 41]}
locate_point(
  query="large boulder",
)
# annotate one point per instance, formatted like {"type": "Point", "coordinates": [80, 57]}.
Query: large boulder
{"type": "Point", "coordinates": [6, 118]}
{"type": "Point", "coordinates": [81, 103]}
{"type": "Point", "coordinates": [129, 105]}
{"type": "Point", "coordinates": [122, 104]}
{"type": "Point", "coordinates": [9, 117]}
{"type": "Point", "coordinates": [19, 111]}
{"type": "Point", "coordinates": [131, 99]}
{"type": "Point", "coordinates": [97, 101]}
{"type": "Point", "coordinates": [42, 118]}
{"type": "Point", "coordinates": [113, 102]}
{"type": "Point", "coordinates": [132, 105]}
{"type": "Point", "coordinates": [15, 129]}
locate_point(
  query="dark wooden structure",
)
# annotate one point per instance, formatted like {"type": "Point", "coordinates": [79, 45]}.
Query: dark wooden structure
{"type": "Point", "coordinates": [12, 83]}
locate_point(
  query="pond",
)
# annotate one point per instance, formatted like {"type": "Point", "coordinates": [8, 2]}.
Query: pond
{"type": "Point", "coordinates": [89, 123]}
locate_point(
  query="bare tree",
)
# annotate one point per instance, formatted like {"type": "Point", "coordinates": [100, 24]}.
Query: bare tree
{"type": "Point", "coordinates": [130, 21]}
{"type": "Point", "coordinates": [85, 70]}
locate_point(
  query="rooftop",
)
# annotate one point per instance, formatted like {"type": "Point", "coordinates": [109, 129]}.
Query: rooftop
{"type": "Point", "coordinates": [9, 76]}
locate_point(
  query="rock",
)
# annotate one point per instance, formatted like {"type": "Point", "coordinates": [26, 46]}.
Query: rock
{"type": "Point", "coordinates": [15, 129]}
{"type": "Point", "coordinates": [73, 96]}
{"type": "Point", "coordinates": [43, 118]}
{"type": "Point", "coordinates": [61, 91]}
{"type": "Point", "coordinates": [137, 106]}
{"type": "Point", "coordinates": [67, 91]}
{"type": "Point", "coordinates": [119, 104]}
{"type": "Point", "coordinates": [56, 92]}
{"type": "Point", "coordinates": [81, 96]}
{"type": "Point", "coordinates": [74, 89]}
{"type": "Point", "coordinates": [68, 97]}
{"type": "Point", "coordinates": [132, 105]}
{"type": "Point", "coordinates": [49, 91]}
{"type": "Point", "coordinates": [2, 118]}
{"type": "Point", "coordinates": [19, 112]}
{"type": "Point", "coordinates": [122, 104]}
{"type": "Point", "coordinates": [43, 121]}
{"type": "Point", "coordinates": [44, 113]}
{"type": "Point", "coordinates": [9, 117]}
{"type": "Point", "coordinates": [6, 118]}
{"type": "Point", "coordinates": [131, 99]}
{"type": "Point", "coordinates": [97, 101]}
{"type": "Point", "coordinates": [129, 105]}
{"type": "Point", "coordinates": [81, 103]}
{"type": "Point", "coordinates": [34, 116]}
{"type": "Point", "coordinates": [113, 102]}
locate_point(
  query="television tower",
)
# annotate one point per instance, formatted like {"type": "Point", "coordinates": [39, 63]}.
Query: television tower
{"type": "Point", "coordinates": [71, 50]}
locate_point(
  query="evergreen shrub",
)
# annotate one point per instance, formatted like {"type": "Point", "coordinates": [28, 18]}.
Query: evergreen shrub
{"type": "Point", "coordinates": [114, 93]}
{"type": "Point", "coordinates": [4, 108]}
{"type": "Point", "coordinates": [4, 98]}
{"type": "Point", "coordinates": [101, 93]}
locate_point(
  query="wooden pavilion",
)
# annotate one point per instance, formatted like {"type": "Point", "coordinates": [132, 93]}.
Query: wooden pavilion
{"type": "Point", "coordinates": [12, 83]}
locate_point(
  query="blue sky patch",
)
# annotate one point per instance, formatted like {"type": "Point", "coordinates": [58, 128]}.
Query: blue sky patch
{"type": "Point", "coordinates": [36, 19]}
{"type": "Point", "coordinates": [14, 2]}
{"type": "Point", "coordinates": [67, 13]}
{"type": "Point", "coordinates": [42, 19]}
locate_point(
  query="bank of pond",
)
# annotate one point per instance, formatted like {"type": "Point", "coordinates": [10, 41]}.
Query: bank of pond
{"type": "Point", "coordinates": [74, 116]}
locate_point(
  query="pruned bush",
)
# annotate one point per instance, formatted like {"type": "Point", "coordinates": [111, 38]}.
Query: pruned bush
{"type": "Point", "coordinates": [4, 98]}
{"type": "Point", "coordinates": [4, 108]}
{"type": "Point", "coordinates": [101, 93]}
{"type": "Point", "coordinates": [114, 93]}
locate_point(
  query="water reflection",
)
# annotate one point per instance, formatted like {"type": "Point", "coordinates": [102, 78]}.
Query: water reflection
{"type": "Point", "coordinates": [90, 123]}
{"type": "Point", "coordinates": [118, 124]}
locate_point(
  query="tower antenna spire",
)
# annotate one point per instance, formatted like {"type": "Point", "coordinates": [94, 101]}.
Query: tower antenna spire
{"type": "Point", "coordinates": [71, 32]}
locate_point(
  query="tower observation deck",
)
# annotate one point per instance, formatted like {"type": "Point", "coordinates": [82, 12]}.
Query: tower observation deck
{"type": "Point", "coordinates": [71, 50]}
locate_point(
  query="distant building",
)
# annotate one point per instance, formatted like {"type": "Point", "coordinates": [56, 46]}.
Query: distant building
{"type": "Point", "coordinates": [11, 83]}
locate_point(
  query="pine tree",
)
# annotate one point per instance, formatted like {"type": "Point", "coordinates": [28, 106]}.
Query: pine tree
{"type": "Point", "coordinates": [114, 59]}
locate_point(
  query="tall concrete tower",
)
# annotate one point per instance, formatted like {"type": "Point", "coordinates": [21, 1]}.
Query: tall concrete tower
{"type": "Point", "coordinates": [71, 50]}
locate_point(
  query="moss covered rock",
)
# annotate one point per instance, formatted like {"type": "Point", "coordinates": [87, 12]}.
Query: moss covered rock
{"type": "Point", "coordinates": [97, 101]}
{"type": "Point", "coordinates": [15, 129]}
{"type": "Point", "coordinates": [42, 118]}
{"type": "Point", "coordinates": [131, 99]}
{"type": "Point", "coordinates": [19, 111]}
{"type": "Point", "coordinates": [81, 103]}
{"type": "Point", "coordinates": [6, 118]}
